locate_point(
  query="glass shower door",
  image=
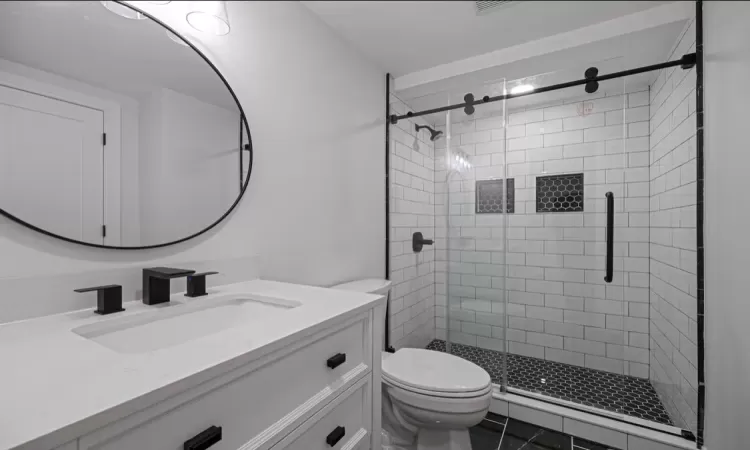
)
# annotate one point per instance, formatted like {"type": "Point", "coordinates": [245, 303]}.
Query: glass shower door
{"type": "Point", "coordinates": [542, 221]}
{"type": "Point", "coordinates": [475, 199]}
{"type": "Point", "coordinates": [579, 242]}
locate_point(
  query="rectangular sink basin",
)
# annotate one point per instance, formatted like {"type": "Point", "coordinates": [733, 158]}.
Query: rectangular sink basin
{"type": "Point", "coordinates": [177, 323]}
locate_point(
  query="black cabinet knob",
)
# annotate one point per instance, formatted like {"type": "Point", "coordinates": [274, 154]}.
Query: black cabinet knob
{"type": "Point", "coordinates": [204, 439]}
{"type": "Point", "coordinates": [335, 436]}
{"type": "Point", "coordinates": [336, 360]}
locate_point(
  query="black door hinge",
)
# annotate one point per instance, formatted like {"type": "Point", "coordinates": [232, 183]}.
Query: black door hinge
{"type": "Point", "coordinates": [104, 138]}
{"type": "Point", "coordinates": [104, 231]}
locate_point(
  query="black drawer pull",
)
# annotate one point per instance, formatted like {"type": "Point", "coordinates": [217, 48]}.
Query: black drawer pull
{"type": "Point", "coordinates": [335, 436]}
{"type": "Point", "coordinates": [204, 440]}
{"type": "Point", "coordinates": [336, 360]}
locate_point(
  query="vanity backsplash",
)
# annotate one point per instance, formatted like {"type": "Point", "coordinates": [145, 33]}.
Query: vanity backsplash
{"type": "Point", "coordinates": [29, 297]}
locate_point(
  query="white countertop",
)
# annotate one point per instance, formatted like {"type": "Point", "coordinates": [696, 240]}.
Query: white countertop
{"type": "Point", "coordinates": [57, 385]}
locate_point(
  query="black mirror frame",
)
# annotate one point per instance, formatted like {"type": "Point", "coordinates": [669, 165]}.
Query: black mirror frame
{"type": "Point", "coordinates": [247, 148]}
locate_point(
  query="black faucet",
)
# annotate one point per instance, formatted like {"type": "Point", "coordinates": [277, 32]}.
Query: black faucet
{"type": "Point", "coordinates": [156, 283]}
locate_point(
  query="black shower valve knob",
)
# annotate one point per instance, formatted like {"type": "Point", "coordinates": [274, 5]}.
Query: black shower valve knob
{"type": "Point", "coordinates": [418, 241]}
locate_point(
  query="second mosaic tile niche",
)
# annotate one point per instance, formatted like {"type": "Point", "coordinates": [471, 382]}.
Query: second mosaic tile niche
{"type": "Point", "coordinates": [559, 193]}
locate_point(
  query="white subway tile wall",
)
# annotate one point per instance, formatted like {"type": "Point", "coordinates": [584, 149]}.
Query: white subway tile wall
{"type": "Point", "coordinates": [640, 145]}
{"type": "Point", "coordinates": [673, 282]}
{"type": "Point", "coordinates": [559, 306]}
{"type": "Point", "coordinates": [412, 187]}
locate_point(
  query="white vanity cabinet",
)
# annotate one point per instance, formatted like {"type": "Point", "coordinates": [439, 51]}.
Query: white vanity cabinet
{"type": "Point", "coordinates": [343, 423]}
{"type": "Point", "coordinates": [305, 376]}
{"type": "Point", "coordinates": [320, 392]}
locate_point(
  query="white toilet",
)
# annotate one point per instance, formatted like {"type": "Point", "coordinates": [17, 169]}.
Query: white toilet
{"type": "Point", "coordinates": [430, 399]}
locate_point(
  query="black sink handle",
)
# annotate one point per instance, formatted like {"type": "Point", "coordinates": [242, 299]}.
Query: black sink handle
{"type": "Point", "coordinates": [108, 298]}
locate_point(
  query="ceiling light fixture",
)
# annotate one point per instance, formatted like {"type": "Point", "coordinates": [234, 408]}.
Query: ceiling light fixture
{"type": "Point", "coordinates": [209, 17]}
{"type": "Point", "coordinates": [176, 39]}
{"type": "Point", "coordinates": [122, 10]}
{"type": "Point", "coordinates": [522, 89]}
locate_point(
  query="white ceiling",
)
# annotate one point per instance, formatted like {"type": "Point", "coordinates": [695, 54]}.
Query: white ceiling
{"type": "Point", "coordinates": [407, 36]}
{"type": "Point", "coordinates": [439, 51]}
{"type": "Point", "coordinates": [86, 42]}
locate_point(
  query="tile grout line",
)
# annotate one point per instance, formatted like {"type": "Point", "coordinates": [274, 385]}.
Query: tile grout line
{"type": "Point", "coordinates": [500, 444]}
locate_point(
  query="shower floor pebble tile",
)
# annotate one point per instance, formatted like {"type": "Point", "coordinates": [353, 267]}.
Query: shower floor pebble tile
{"type": "Point", "coordinates": [617, 393]}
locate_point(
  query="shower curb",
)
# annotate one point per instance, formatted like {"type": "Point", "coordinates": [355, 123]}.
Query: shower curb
{"type": "Point", "coordinates": [615, 433]}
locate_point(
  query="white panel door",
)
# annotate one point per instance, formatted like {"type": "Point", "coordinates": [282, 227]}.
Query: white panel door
{"type": "Point", "coordinates": [51, 172]}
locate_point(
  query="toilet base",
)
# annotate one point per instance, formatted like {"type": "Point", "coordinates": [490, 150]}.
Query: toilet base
{"type": "Point", "coordinates": [430, 439]}
{"type": "Point", "coordinates": [406, 426]}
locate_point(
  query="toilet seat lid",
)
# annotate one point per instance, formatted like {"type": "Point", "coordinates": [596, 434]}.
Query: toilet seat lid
{"type": "Point", "coordinates": [434, 371]}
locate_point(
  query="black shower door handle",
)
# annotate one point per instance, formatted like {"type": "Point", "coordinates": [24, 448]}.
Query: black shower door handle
{"type": "Point", "coordinates": [610, 235]}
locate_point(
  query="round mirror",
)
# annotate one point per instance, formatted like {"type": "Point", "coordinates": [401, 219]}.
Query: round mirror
{"type": "Point", "coordinates": [115, 131]}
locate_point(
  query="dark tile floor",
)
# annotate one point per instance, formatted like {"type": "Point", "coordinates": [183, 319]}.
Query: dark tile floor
{"type": "Point", "coordinates": [501, 433]}
{"type": "Point", "coordinates": [618, 393]}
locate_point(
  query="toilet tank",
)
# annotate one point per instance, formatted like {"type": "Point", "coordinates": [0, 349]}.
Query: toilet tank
{"type": "Point", "coordinates": [377, 286]}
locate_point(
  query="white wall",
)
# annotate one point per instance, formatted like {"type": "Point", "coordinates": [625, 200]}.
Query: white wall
{"type": "Point", "coordinates": [149, 163]}
{"type": "Point", "coordinates": [315, 109]}
{"type": "Point", "coordinates": [727, 220]}
{"type": "Point", "coordinates": [673, 281]}
{"type": "Point", "coordinates": [190, 165]}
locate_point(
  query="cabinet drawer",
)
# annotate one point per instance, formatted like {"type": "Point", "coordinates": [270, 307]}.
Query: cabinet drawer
{"type": "Point", "coordinates": [254, 408]}
{"type": "Point", "coordinates": [345, 423]}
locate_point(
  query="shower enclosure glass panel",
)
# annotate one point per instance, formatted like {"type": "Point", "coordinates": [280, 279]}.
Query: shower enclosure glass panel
{"type": "Point", "coordinates": [546, 241]}
{"type": "Point", "coordinates": [542, 215]}
{"type": "Point", "coordinates": [568, 239]}
{"type": "Point", "coordinates": [471, 200]}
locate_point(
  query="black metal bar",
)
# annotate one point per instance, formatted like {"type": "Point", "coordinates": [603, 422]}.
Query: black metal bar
{"type": "Point", "coordinates": [387, 331]}
{"type": "Point", "coordinates": [686, 61]}
{"type": "Point", "coordinates": [700, 298]}
{"type": "Point", "coordinates": [610, 235]}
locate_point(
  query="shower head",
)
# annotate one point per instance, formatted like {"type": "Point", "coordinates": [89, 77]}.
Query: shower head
{"type": "Point", "coordinates": [434, 134]}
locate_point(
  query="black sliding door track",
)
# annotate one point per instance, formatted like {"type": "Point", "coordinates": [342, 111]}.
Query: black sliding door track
{"type": "Point", "coordinates": [686, 62]}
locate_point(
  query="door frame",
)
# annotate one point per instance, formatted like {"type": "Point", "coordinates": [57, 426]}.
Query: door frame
{"type": "Point", "coordinates": [112, 127]}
